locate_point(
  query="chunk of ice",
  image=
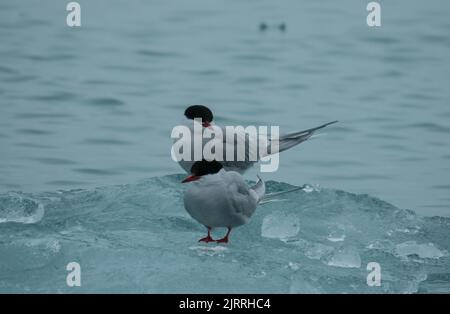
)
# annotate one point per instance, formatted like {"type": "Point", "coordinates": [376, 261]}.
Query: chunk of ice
{"type": "Point", "coordinates": [348, 257]}
{"type": "Point", "coordinates": [280, 225]}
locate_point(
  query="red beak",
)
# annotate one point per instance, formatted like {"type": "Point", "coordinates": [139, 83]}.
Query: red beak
{"type": "Point", "coordinates": [191, 178]}
{"type": "Point", "coordinates": [206, 124]}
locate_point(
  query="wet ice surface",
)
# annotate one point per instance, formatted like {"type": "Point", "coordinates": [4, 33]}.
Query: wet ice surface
{"type": "Point", "coordinates": [138, 238]}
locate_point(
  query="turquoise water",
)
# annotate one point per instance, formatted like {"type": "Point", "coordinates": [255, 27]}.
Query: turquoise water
{"type": "Point", "coordinates": [85, 121]}
{"type": "Point", "coordinates": [81, 108]}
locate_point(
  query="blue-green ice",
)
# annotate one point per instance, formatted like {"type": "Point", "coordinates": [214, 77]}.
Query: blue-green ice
{"type": "Point", "coordinates": [138, 238]}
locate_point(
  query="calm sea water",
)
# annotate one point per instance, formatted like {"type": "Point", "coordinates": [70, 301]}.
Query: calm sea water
{"type": "Point", "coordinates": [94, 106]}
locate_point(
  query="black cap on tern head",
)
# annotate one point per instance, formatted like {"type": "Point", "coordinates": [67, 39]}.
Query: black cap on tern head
{"type": "Point", "coordinates": [199, 111]}
{"type": "Point", "coordinates": [201, 168]}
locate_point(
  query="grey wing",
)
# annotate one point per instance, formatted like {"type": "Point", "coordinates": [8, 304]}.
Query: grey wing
{"type": "Point", "coordinates": [244, 161]}
{"type": "Point", "coordinates": [243, 199]}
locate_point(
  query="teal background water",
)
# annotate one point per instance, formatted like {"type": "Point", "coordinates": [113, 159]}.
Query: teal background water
{"type": "Point", "coordinates": [94, 106]}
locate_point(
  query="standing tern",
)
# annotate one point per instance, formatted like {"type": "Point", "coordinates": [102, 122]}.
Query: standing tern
{"type": "Point", "coordinates": [284, 142]}
{"type": "Point", "coordinates": [219, 198]}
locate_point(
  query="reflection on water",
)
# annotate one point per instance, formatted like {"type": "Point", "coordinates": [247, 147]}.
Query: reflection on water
{"type": "Point", "coordinates": [95, 105]}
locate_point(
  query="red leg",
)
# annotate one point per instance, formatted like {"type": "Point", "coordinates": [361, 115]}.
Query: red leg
{"type": "Point", "coordinates": [208, 237]}
{"type": "Point", "coordinates": [225, 238]}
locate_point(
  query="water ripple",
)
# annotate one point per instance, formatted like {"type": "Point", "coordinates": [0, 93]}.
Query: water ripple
{"type": "Point", "coordinates": [158, 53]}
{"type": "Point", "coordinates": [33, 131]}
{"type": "Point", "coordinates": [431, 127]}
{"type": "Point", "coordinates": [42, 115]}
{"type": "Point", "coordinates": [106, 141]}
{"type": "Point", "coordinates": [105, 102]}
{"type": "Point", "coordinates": [55, 97]}
{"type": "Point", "coordinates": [53, 161]}
{"type": "Point", "coordinates": [94, 171]}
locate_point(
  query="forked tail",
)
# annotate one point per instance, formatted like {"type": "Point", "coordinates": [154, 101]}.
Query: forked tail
{"type": "Point", "coordinates": [292, 139]}
{"type": "Point", "coordinates": [271, 197]}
